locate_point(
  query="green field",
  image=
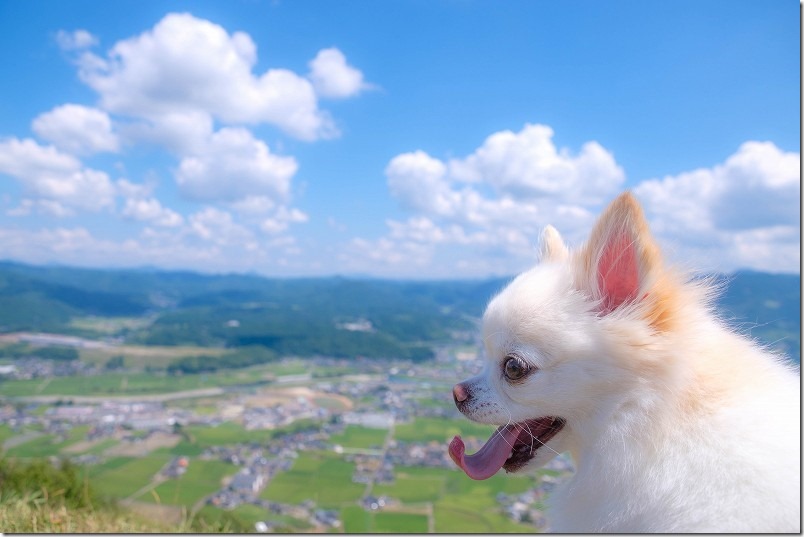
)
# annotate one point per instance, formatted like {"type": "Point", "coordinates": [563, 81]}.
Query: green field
{"type": "Point", "coordinates": [123, 476]}
{"type": "Point", "coordinates": [470, 506]}
{"type": "Point", "coordinates": [6, 432]}
{"type": "Point", "coordinates": [399, 523]}
{"type": "Point", "coordinates": [245, 516]}
{"type": "Point", "coordinates": [461, 505]}
{"type": "Point", "coordinates": [136, 356]}
{"type": "Point", "coordinates": [201, 479]}
{"type": "Point", "coordinates": [117, 384]}
{"type": "Point", "coordinates": [318, 476]}
{"type": "Point", "coordinates": [101, 446]}
{"type": "Point", "coordinates": [49, 444]}
{"type": "Point", "coordinates": [440, 430]}
{"type": "Point", "coordinates": [414, 487]}
{"type": "Point", "coordinates": [356, 436]}
{"type": "Point", "coordinates": [225, 433]}
{"type": "Point", "coordinates": [357, 520]}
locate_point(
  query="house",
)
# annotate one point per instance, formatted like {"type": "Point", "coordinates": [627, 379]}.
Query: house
{"type": "Point", "coordinates": [247, 481]}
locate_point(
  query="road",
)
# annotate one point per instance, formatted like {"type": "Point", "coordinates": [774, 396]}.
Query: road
{"type": "Point", "coordinates": [186, 394]}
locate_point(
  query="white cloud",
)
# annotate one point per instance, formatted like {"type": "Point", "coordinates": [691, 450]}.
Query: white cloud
{"type": "Point", "coordinates": [78, 246]}
{"type": "Point", "coordinates": [40, 206]}
{"type": "Point", "coordinates": [495, 201]}
{"type": "Point", "coordinates": [127, 189]}
{"type": "Point", "coordinates": [744, 212]}
{"type": "Point", "coordinates": [76, 40]}
{"type": "Point", "coordinates": [219, 227]}
{"type": "Point", "coordinates": [234, 165]}
{"type": "Point", "coordinates": [420, 183]}
{"type": "Point", "coordinates": [254, 205]}
{"type": "Point", "coordinates": [528, 164]}
{"type": "Point", "coordinates": [77, 129]}
{"type": "Point", "coordinates": [181, 133]}
{"type": "Point", "coordinates": [484, 212]}
{"type": "Point", "coordinates": [189, 65]}
{"type": "Point", "coordinates": [386, 253]}
{"type": "Point", "coordinates": [151, 210]}
{"type": "Point", "coordinates": [519, 177]}
{"type": "Point", "coordinates": [333, 77]}
{"type": "Point", "coordinates": [48, 174]}
{"type": "Point", "coordinates": [281, 219]}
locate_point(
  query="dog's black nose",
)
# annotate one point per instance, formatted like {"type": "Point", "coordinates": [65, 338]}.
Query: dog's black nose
{"type": "Point", "coordinates": [460, 393]}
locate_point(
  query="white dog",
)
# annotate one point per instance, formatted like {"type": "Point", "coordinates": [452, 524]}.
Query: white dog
{"type": "Point", "coordinates": [674, 422]}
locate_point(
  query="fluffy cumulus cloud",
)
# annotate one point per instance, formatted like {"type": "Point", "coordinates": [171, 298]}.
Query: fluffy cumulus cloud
{"type": "Point", "coordinates": [483, 212]}
{"type": "Point", "coordinates": [55, 179]}
{"type": "Point", "coordinates": [234, 165]}
{"type": "Point", "coordinates": [151, 210]}
{"type": "Point", "coordinates": [77, 129]}
{"type": "Point", "coordinates": [527, 164]}
{"type": "Point", "coordinates": [185, 64]}
{"type": "Point", "coordinates": [420, 183]}
{"type": "Point", "coordinates": [186, 95]}
{"type": "Point", "coordinates": [518, 177]}
{"type": "Point", "coordinates": [181, 133]}
{"type": "Point", "coordinates": [218, 226]}
{"type": "Point", "coordinates": [744, 212]}
{"type": "Point", "coordinates": [333, 77]}
{"type": "Point", "coordinates": [281, 219]}
{"type": "Point", "coordinates": [492, 203]}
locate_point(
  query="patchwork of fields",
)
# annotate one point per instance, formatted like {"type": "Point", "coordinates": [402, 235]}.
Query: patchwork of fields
{"type": "Point", "coordinates": [317, 473]}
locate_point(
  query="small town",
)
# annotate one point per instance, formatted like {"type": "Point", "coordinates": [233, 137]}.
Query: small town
{"type": "Point", "coordinates": [385, 398]}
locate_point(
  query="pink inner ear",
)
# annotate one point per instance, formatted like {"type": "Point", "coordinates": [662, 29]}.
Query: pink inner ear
{"type": "Point", "coordinates": [618, 272]}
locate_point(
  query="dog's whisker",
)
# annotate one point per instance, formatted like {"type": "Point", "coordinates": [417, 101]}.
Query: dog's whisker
{"type": "Point", "coordinates": [536, 438]}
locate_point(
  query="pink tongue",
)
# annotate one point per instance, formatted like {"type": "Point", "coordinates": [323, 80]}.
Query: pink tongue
{"type": "Point", "coordinates": [490, 458]}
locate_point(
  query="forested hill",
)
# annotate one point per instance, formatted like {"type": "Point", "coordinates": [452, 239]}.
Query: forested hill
{"type": "Point", "coordinates": [316, 316]}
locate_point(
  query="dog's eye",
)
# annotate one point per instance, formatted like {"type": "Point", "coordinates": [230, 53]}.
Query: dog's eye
{"type": "Point", "coordinates": [515, 368]}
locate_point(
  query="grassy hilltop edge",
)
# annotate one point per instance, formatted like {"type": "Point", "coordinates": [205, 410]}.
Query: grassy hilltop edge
{"type": "Point", "coordinates": [38, 497]}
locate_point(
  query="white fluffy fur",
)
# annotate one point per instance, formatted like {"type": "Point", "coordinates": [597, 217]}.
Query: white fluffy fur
{"type": "Point", "coordinates": [674, 425]}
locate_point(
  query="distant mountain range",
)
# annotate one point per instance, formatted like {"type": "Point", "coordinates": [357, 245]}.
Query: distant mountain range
{"type": "Point", "coordinates": [334, 316]}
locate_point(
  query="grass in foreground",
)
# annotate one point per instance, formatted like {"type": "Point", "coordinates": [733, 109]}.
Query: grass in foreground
{"type": "Point", "coordinates": [35, 514]}
{"type": "Point", "coordinates": [37, 497]}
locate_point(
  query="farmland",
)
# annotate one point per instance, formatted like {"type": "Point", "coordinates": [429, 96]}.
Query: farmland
{"type": "Point", "coordinates": [367, 478]}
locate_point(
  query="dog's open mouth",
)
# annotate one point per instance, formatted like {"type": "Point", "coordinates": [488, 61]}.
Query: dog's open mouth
{"type": "Point", "coordinates": [510, 447]}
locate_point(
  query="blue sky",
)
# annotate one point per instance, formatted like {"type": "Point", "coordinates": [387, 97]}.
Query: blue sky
{"type": "Point", "coordinates": [397, 138]}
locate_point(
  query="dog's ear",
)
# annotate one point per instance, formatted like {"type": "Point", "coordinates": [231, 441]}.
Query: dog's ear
{"type": "Point", "coordinates": [621, 264]}
{"type": "Point", "coordinates": [551, 246]}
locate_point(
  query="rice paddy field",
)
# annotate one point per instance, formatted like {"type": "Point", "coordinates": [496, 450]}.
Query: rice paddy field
{"type": "Point", "coordinates": [418, 500]}
{"type": "Point", "coordinates": [355, 436]}
{"type": "Point", "coordinates": [201, 479]}
{"type": "Point", "coordinates": [322, 477]}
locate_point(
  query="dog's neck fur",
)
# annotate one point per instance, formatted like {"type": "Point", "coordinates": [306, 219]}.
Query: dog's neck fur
{"type": "Point", "coordinates": [664, 412]}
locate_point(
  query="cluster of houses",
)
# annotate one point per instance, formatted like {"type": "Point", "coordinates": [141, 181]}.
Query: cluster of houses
{"type": "Point", "coordinates": [280, 415]}
{"type": "Point", "coordinates": [385, 396]}
{"type": "Point", "coordinates": [35, 368]}
{"type": "Point", "coordinates": [125, 420]}
{"type": "Point", "coordinates": [258, 465]}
